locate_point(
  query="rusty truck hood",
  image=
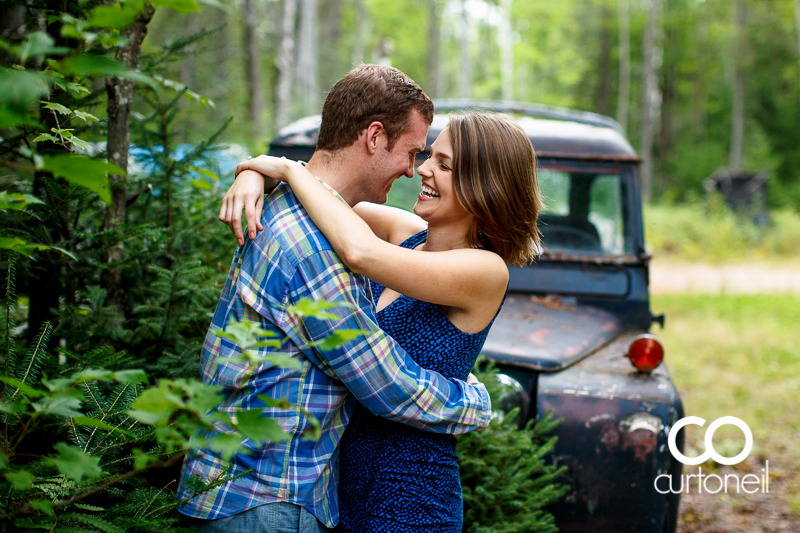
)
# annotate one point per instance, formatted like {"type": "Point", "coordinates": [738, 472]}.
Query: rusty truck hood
{"type": "Point", "coordinates": [548, 334]}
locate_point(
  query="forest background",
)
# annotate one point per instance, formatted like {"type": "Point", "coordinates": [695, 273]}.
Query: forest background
{"type": "Point", "coordinates": [697, 84]}
{"type": "Point", "coordinates": [111, 274]}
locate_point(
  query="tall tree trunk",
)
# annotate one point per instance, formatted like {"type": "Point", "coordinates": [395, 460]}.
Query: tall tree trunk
{"type": "Point", "coordinates": [465, 78]}
{"type": "Point", "coordinates": [46, 279]}
{"type": "Point", "coordinates": [624, 94]}
{"type": "Point", "coordinates": [12, 29]}
{"type": "Point", "coordinates": [187, 65]}
{"type": "Point", "coordinates": [253, 70]}
{"type": "Point", "coordinates": [360, 34]}
{"type": "Point", "coordinates": [737, 130]}
{"type": "Point", "coordinates": [284, 63]}
{"type": "Point", "coordinates": [308, 58]}
{"type": "Point", "coordinates": [604, 63]}
{"type": "Point", "coordinates": [797, 23]}
{"type": "Point", "coordinates": [649, 99]}
{"type": "Point", "coordinates": [434, 31]}
{"type": "Point", "coordinates": [120, 97]}
{"type": "Point", "coordinates": [669, 84]}
{"type": "Point", "coordinates": [506, 51]}
{"type": "Point", "coordinates": [330, 70]}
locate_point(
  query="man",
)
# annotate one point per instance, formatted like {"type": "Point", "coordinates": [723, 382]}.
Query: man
{"type": "Point", "coordinates": [374, 121]}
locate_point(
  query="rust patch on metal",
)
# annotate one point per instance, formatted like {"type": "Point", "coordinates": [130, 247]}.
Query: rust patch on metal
{"type": "Point", "coordinates": [538, 337]}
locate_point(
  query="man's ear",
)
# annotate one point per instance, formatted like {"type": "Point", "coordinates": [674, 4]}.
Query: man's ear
{"type": "Point", "coordinates": [375, 135]}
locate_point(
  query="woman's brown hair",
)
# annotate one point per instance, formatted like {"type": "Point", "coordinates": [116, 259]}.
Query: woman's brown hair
{"type": "Point", "coordinates": [494, 177]}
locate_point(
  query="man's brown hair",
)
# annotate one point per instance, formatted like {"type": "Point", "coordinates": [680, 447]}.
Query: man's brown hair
{"type": "Point", "coordinates": [494, 177]}
{"type": "Point", "coordinates": [367, 94]}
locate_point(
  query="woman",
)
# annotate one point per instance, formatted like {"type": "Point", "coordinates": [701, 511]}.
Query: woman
{"type": "Point", "coordinates": [439, 278]}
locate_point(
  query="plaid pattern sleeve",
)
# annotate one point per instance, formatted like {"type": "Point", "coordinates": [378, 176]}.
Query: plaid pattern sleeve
{"type": "Point", "coordinates": [286, 262]}
{"type": "Point", "coordinates": [372, 366]}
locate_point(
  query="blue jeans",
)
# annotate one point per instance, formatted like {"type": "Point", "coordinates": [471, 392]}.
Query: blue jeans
{"type": "Point", "coordinates": [278, 517]}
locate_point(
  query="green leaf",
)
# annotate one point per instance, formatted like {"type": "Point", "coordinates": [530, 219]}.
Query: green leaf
{"type": "Point", "coordinates": [181, 6]}
{"type": "Point", "coordinates": [73, 463]}
{"type": "Point", "coordinates": [83, 145]}
{"type": "Point", "coordinates": [91, 374]}
{"type": "Point", "coordinates": [338, 338]}
{"type": "Point", "coordinates": [207, 173]}
{"type": "Point", "coordinates": [21, 480]}
{"type": "Point", "coordinates": [13, 116]}
{"type": "Point", "coordinates": [155, 405]}
{"type": "Point", "coordinates": [21, 87]}
{"type": "Point", "coordinates": [141, 459]}
{"type": "Point", "coordinates": [202, 184]}
{"type": "Point", "coordinates": [315, 308]}
{"type": "Point", "coordinates": [244, 333]}
{"type": "Point", "coordinates": [3, 461]}
{"type": "Point", "coordinates": [116, 16]}
{"type": "Point", "coordinates": [16, 202]}
{"type": "Point", "coordinates": [189, 94]}
{"type": "Point", "coordinates": [62, 404]}
{"type": "Point", "coordinates": [57, 107]}
{"type": "Point", "coordinates": [255, 427]}
{"type": "Point", "coordinates": [89, 173]}
{"type": "Point", "coordinates": [16, 244]}
{"type": "Point", "coordinates": [46, 137]}
{"type": "Point", "coordinates": [86, 117]}
{"type": "Point", "coordinates": [15, 407]}
{"type": "Point", "coordinates": [37, 44]}
{"type": "Point", "coordinates": [95, 423]}
{"type": "Point", "coordinates": [24, 388]}
{"type": "Point", "coordinates": [283, 360]}
{"type": "Point", "coordinates": [131, 376]}
{"type": "Point", "coordinates": [226, 445]}
{"type": "Point", "coordinates": [217, 4]}
{"type": "Point", "coordinates": [45, 506]}
{"type": "Point", "coordinates": [278, 403]}
{"type": "Point", "coordinates": [87, 65]}
{"type": "Point", "coordinates": [77, 89]}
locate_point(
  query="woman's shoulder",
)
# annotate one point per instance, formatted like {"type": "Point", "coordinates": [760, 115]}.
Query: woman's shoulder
{"type": "Point", "coordinates": [392, 224]}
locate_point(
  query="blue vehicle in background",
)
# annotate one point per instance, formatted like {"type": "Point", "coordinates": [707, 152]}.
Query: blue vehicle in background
{"type": "Point", "coordinates": [573, 336]}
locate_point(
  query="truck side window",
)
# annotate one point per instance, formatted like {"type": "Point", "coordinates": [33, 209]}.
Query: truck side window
{"type": "Point", "coordinates": [605, 212]}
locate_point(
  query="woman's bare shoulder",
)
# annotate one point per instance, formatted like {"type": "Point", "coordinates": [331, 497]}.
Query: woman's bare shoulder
{"type": "Point", "coordinates": [391, 224]}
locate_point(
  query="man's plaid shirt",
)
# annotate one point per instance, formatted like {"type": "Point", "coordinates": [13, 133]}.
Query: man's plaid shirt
{"type": "Point", "coordinates": [289, 260]}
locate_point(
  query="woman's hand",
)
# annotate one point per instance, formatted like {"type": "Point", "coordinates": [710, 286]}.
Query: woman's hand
{"type": "Point", "coordinates": [247, 192]}
{"type": "Point", "coordinates": [274, 167]}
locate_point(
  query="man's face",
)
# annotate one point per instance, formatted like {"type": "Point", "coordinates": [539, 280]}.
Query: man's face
{"type": "Point", "coordinates": [389, 165]}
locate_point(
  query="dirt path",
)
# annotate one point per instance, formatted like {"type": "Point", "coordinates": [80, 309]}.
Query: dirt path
{"type": "Point", "coordinates": [744, 278]}
{"type": "Point", "coordinates": [746, 513]}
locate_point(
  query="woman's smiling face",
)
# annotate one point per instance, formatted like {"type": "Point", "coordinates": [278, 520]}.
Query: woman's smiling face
{"type": "Point", "coordinates": [437, 201]}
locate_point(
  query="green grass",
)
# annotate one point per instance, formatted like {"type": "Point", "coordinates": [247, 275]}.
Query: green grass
{"type": "Point", "coordinates": [711, 232]}
{"type": "Point", "coordinates": [739, 355]}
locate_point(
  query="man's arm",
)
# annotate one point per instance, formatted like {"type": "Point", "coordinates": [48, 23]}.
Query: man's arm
{"type": "Point", "coordinates": [372, 366]}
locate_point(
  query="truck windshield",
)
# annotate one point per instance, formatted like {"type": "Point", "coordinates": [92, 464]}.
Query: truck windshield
{"type": "Point", "coordinates": [584, 212]}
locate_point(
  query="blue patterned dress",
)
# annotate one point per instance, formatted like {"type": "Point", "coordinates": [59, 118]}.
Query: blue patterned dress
{"type": "Point", "coordinates": [395, 478]}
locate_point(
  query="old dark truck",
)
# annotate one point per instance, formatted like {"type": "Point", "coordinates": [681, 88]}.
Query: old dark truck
{"type": "Point", "coordinates": [573, 334]}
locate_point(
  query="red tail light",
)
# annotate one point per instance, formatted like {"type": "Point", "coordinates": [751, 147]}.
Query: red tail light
{"type": "Point", "coordinates": [646, 353]}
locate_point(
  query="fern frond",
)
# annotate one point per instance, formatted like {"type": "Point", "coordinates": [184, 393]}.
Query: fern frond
{"type": "Point", "coordinates": [96, 521]}
{"type": "Point", "coordinates": [73, 529]}
{"type": "Point", "coordinates": [9, 306]}
{"type": "Point", "coordinates": [27, 370]}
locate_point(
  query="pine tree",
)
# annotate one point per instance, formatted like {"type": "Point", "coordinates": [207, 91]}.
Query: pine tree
{"type": "Point", "coordinates": [506, 479]}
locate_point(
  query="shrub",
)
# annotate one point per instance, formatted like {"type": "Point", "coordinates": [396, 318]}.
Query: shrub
{"type": "Point", "coordinates": [506, 480]}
